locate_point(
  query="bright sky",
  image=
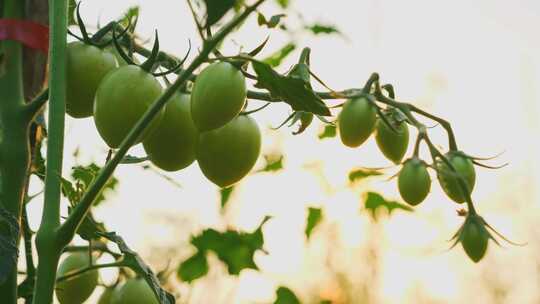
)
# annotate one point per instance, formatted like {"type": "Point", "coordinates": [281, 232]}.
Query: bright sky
{"type": "Point", "coordinates": [475, 63]}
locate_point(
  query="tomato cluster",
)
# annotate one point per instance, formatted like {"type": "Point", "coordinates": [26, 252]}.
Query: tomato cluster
{"type": "Point", "coordinates": [77, 289]}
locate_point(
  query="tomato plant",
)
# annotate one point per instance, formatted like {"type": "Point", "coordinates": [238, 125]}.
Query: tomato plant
{"type": "Point", "coordinates": [474, 239]}
{"type": "Point", "coordinates": [136, 291]}
{"type": "Point", "coordinates": [122, 98]}
{"type": "Point", "coordinates": [77, 289]}
{"type": "Point", "coordinates": [356, 121]}
{"type": "Point", "coordinates": [86, 66]}
{"type": "Point", "coordinates": [171, 146]}
{"type": "Point", "coordinates": [218, 95]}
{"type": "Point", "coordinates": [414, 182]}
{"type": "Point", "coordinates": [227, 154]}
{"type": "Point", "coordinates": [449, 180]}
{"type": "Point", "coordinates": [392, 143]}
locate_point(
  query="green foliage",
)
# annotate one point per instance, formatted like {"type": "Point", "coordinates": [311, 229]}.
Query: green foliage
{"type": "Point", "coordinates": [319, 29]}
{"type": "Point", "coordinates": [85, 175]}
{"type": "Point", "coordinates": [216, 9]}
{"type": "Point", "coordinates": [273, 163]}
{"type": "Point", "coordinates": [193, 268]}
{"type": "Point", "coordinates": [359, 174]}
{"type": "Point", "coordinates": [292, 90]}
{"type": "Point", "coordinates": [375, 201]}
{"type": "Point", "coordinates": [278, 56]}
{"type": "Point", "coordinates": [283, 3]}
{"type": "Point", "coordinates": [225, 194]}
{"type": "Point", "coordinates": [329, 131]}
{"type": "Point", "coordinates": [285, 296]}
{"type": "Point", "coordinates": [270, 23]}
{"type": "Point", "coordinates": [314, 217]}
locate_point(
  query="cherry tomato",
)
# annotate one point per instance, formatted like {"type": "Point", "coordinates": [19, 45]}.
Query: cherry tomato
{"type": "Point", "coordinates": [122, 98]}
{"type": "Point", "coordinates": [414, 182]}
{"type": "Point", "coordinates": [227, 154]}
{"type": "Point", "coordinates": [109, 296]}
{"type": "Point", "coordinates": [393, 144]}
{"type": "Point", "coordinates": [449, 180]}
{"type": "Point", "coordinates": [218, 95]}
{"type": "Point", "coordinates": [77, 289]}
{"type": "Point", "coordinates": [86, 65]}
{"type": "Point", "coordinates": [171, 146]}
{"type": "Point", "coordinates": [474, 239]}
{"type": "Point", "coordinates": [136, 291]}
{"type": "Point", "coordinates": [356, 121]}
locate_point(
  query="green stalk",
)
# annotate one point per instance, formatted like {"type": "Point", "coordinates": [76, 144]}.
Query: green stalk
{"type": "Point", "coordinates": [47, 243]}
{"type": "Point", "coordinates": [68, 228]}
{"type": "Point", "coordinates": [14, 145]}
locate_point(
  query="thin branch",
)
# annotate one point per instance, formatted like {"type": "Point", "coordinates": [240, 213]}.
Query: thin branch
{"type": "Point", "coordinates": [86, 269]}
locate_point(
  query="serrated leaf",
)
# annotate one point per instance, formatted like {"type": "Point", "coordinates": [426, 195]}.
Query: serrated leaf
{"type": "Point", "coordinates": [375, 201]}
{"type": "Point", "coordinates": [193, 268]}
{"type": "Point", "coordinates": [318, 29]}
{"type": "Point", "coordinates": [329, 131]}
{"type": "Point", "coordinates": [273, 163]}
{"type": "Point", "coordinates": [283, 3]}
{"type": "Point", "coordinates": [216, 9]}
{"type": "Point", "coordinates": [285, 296]}
{"type": "Point", "coordinates": [277, 57]}
{"type": "Point", "coordinates": [357, 175]}
{"type": "Point", "coordinates": [270, 23]}
{"type": "Point", "coordinates": [134, 262]}
{"type": "Point", "coordinates": [225, 194]}
{"type": "Point", "coordinates": [292, 90]}
{"type": "Point", "coordinates": [85, 175]}
{"type": "Point", "coordinates": [313, 219]}
{"type": "Point", "coordinates": [8, 243]}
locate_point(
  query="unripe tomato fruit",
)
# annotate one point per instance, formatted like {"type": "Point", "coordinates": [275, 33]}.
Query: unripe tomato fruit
{"type": "Point", "coordinates": [356, 121]}
{"type": "Point", "coordinates": [449, 180]}
{"type": "Point", "coordinates": [109, 296]}
{"type": "Point", "coordinates": [75, 290]}
{"type": "Point", "coordinates": [122, 98]}
{"type": "Point", "coordinates": [414, 181]}
{"type": "Point", "coordinates": [136, 291]}
{"type": "Point", "coordinates": [474, 239]}
{"type": "Point", "coordinates": [86, 65]}
{"type": "Point", "coordinates": [227, 154]}
{"type": "Point", "coordinates": [393, 144]}
{"type": "Point", "coordinates": [218, 95]}
{"type": "Point", "coordinates": [171, 146]}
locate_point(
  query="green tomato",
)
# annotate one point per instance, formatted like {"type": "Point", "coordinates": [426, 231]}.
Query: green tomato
{"type": "Point", "coordinates": [449, 180]}
{"type": "Point", "coordinates": [474, 239]}
{"type": "Point", "coordinates": [109, 296]}
{"type": "Point", "coordinates": [356, 121]}
{"type": "Point", "coordinates": [122, 98]}
{"type": "Point", "coordinates": [76, 290]}
{"type": "Point", "coordinates": [414, 182]}
{"type": "Point", "coordinates": [218, 95]}
{"type": "Point", "coordinates": [393, 144]}
{"type": "Point", "coordinates": [171, 146]}
{"type": "Point", "coordinates": [136, 291]}
{"type": "Point", "coordinates": [227, 154]}
{"type": "Point", "coordinates": [86, 65]}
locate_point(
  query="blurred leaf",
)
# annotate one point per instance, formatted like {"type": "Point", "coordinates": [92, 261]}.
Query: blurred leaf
{"type": "Point", "coordinates": [329, 131]}
{"type": "Point", "coordinates": [235, 249]}
{"type": "Point", "coordinates": [85, 175]}
{"type": "Point", "coordinates": [361, 173]}
{"type": "Point", "coordinates": [285, 296]}
{"type": "Point", "coordinates": [71, 12]}
{"type": "Point", "coordinates": [216, 9]}
{"type": "Point", "coordinates": [313, 219]}
{"type": "Point", "coordinates": [283, 3]}
{"type": "Point", "coordinates": [193, 268]}
{"type": "Point", "coordinates": [277, 57]}
{"type": "Point", "coordinates": [90, 229]}
{"type": "Point", "coordinates": [375, 201]}
{"type": "Point", "coordinates": [292, 90]}
{"type": "Point", "coordinates": [325, 302]}
{"type": "Point", "coordinates": [130, 13]}
{"type": "Point", "coordinates": [305, 119]}
{"type": "Point", "coordinates": [130, 159]}
{"type": "Point", "coordinates": [8, 243]}
{"type": "Point", "coordinates": [273, 163]}
{"type": "Point", "coordinates": [134, 262]}
{"type": "Point", "coordinates": [225, 195]}
{"type": "Point", "coordinates": [270, 23]}
{"type": "Point", "coordinates": [69, 191]}
{"type": "Point", "coordinates": [318, 29]}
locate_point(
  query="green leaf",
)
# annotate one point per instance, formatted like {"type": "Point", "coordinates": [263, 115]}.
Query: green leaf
{"type": "Point", "coordinates": [85, 175]}
{"type": "Point", "coordinates": [318, 29]}
{"type": "Point", "coordinates": [329, 131]}
{"type": "Point", "coordinates": [130, 159]}
{"type": "Point", "coordinates": [374, 201]}
{"type": "Point", "coordinates": [132, 260]}
{"type": "Point", "coordinates": [361, 173]}
{"type": "Point", "coordinates": [273, 163]}
{"type": "Point", "coordinates": [225, 194]}
{"type": "Point", "coordinates": [313, 219]}
{"type": "Point", "coordinates": [216, 9]}
{"type": "Point", "coordinates": [193, 268]}
{"type": "Point", "coordinates": [283, 3]}
{"type": "Point", "coordinates": [270, 23]}
{"type": "Point", "coordinates": [277, 57]}
{"type": "Point", "coordinates": [90, 229]}
{"type": "Point", "coordinates": [129, 14]}
{"type": "Point", "coordinates": [292, 90]}
{"type": "Point", "coordinates": [285, 296]}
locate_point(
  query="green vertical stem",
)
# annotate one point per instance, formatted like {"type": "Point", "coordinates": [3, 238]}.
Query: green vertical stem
{"type": "Point", "coordinates": [14, 148]}
{"type": "Point", "coordinates": [46, 239]}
